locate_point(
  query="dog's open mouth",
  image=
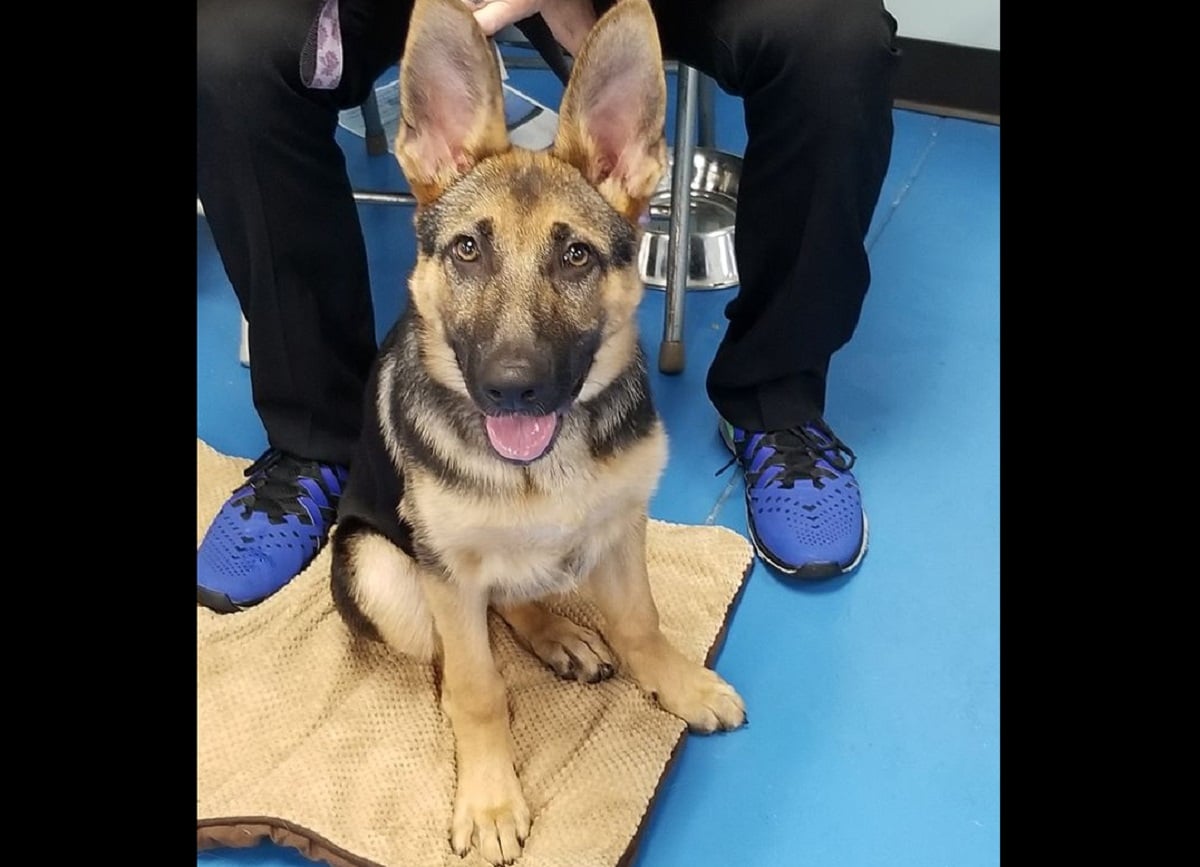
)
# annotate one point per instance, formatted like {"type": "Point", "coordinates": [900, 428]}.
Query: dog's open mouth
{"type": "Point", "coordinates": [521, 438]}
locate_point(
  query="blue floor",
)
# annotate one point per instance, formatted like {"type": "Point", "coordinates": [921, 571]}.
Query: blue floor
{"type": "Point", "coordinates": [874, 700]}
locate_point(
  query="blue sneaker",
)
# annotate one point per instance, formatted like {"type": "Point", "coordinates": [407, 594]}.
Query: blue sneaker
{"type": "Point", "coordinates": [803, 505]}
{"type": "Point", "coordinates": [267, 531]}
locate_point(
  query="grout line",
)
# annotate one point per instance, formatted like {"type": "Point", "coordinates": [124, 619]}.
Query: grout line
{"type": "Point", "coordinates": [894, 205]}
{"type": "Point", "coordinates": [711, 517]}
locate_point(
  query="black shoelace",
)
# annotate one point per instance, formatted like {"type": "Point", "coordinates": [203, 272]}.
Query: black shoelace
{"type": "Point", "coordinates": [275, 488]}
{"type": "Point", "coordinates": [797, 451]}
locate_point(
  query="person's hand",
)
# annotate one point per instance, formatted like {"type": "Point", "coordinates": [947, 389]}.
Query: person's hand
{"type": "Point", "coordinates": [568, 20]}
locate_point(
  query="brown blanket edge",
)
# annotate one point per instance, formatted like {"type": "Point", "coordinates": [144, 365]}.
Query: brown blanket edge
{"type": "Point", "coordinates": [236, 832]}
{"type": "Point", "coordinates": [710, 658]}
{"type": "Point", "coordinates": [241, 832]}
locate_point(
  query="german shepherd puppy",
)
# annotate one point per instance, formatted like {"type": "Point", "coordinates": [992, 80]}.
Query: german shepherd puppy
{"type": "Point", "coordinates": [510, 447]}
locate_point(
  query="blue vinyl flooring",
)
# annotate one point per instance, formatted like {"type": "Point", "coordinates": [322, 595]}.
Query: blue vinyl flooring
{"type": "Point", "coordinates": [874, 700]}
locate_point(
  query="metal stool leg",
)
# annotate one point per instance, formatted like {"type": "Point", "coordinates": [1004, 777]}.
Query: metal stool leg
{"type": "Point", "coordinates": [707, 136]}
{"type": "Point", "coordinates": [670, 352]}
{"type": "Point", "coordinates": [374, 132]}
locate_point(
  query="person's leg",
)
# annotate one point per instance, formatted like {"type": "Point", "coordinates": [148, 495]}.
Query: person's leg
{"type": "Point", "coordinates": [815, 77]}
{"type": "Point", "coordinates": [273, 183]}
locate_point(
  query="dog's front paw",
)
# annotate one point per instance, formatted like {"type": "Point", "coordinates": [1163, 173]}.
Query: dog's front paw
{"type": "Point", "coordinates": [701, 698]}
{"type": "Point", "coordinates": [490, 814]}
{"type": "Point", "coordinates": [693, 693]}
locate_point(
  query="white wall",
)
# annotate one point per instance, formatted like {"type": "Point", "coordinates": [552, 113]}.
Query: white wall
{"type": "Point", "coordinates": [975, 23]}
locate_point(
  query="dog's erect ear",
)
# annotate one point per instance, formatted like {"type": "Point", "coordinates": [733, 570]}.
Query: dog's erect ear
{"type": "Point", "coordinates": [611, 122]}
{"type": "Point", "coordinates": [451, 101]}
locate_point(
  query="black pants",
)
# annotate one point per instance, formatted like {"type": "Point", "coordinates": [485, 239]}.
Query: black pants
{"type": "Point", "coordinates": [815, 78]}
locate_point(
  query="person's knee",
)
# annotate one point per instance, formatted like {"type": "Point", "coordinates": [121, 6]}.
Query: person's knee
{"type": "Point", "coordinates": [241, 44]}
{"type": "Point", "coordinates": [813, 46]}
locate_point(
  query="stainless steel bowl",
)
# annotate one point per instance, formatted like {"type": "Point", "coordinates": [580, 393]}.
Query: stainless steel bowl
{"type": "Point", "coordinates": [713, 194]}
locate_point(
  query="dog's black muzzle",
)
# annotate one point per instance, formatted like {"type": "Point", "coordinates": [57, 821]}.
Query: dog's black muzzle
{"type": "Point", "coordinates": [528, 379]}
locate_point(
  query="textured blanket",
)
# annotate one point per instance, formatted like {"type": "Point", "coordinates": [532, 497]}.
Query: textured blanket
{"type": "Point", "coordinates": [338, 747]}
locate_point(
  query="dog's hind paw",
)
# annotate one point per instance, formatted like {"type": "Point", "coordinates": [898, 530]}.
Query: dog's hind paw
{"type": "Point", "coordinates": [572, 652]}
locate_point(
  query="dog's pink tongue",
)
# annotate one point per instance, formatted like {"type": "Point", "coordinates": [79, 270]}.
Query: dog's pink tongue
{"type": "Point", "coordinates": [521, 437]}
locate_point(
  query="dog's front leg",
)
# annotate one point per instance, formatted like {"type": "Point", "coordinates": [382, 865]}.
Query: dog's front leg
{"type": "Point", "coordinates": [620, 588]}
{"type": "Point", "coordinates": [489, 807]}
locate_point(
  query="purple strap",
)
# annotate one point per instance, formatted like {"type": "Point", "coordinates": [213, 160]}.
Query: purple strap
{"type": "Point", "coordinates": [327, 72]}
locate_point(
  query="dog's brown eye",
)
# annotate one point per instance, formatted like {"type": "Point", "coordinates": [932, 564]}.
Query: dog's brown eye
{"type": "Point", "coordinates": [465, 249]}
{"type": "Point", "coordinates": [577, 255]}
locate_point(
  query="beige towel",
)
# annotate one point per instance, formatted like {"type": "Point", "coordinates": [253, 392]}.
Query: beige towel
{"type": "Point", "coordinates": [338, 747]}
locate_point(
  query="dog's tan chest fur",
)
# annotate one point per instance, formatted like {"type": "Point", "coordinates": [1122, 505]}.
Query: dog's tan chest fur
{"type": "Point", "coordinates": [545, 537]}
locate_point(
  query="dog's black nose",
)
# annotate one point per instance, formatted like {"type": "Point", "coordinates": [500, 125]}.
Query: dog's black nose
{"type": "Point", "coordinates": [519, 384]}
